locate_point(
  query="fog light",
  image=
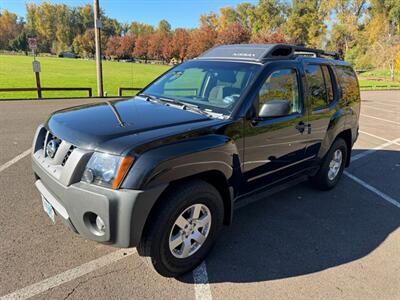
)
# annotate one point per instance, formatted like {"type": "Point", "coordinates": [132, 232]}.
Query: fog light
{"type": "Point", "coordinates": [88, 175]}
{"type": "Point", "coordinates": [100, 224]}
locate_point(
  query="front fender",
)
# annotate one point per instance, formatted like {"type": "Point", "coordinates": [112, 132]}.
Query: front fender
{"type": "Point", "coordinates": [182, 159]}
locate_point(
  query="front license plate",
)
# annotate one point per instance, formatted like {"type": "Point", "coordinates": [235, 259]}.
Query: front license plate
{"type": "Point", "coordinates": [48, 209]}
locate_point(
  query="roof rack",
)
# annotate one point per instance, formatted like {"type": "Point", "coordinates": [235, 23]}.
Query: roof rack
{"type": "Point", "coordinates": [301, 50]}
{"type": "Point", "coordinates": [262, 52]}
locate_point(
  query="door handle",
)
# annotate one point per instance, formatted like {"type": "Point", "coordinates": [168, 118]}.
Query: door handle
{"type": "Point", "coordinates": [301, 127]}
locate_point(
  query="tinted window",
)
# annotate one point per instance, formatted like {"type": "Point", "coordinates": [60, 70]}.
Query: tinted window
{"type": "Point", "coordinates": [316, 86]}
{"type": "Point", "coordinates": [349, 84]}
{"type": "Point", "coordinates": [281, 85]}
{"type": "Point", "coordinates": [328, 83]}
{"type": "Point", "coordinates": [215, 86]}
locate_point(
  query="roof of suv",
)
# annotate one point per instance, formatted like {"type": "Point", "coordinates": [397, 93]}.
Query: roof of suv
{"type": "Point", "coordinates": [264, 52]}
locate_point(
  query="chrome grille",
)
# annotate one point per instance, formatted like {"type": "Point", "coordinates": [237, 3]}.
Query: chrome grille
{"type": "Point", "coordinates": [67, 155]}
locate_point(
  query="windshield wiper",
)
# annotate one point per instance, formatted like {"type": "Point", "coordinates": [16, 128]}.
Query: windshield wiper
{"type": "Point", "coordinates": [181, 104]}
{"type": "Point", "coordinates": [149, 97]}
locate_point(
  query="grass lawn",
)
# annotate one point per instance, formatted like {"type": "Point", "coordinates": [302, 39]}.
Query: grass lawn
{"type": "Point", "coordinates": [16, 71]}
{"type": "Point", "coordinates": [379, 79]}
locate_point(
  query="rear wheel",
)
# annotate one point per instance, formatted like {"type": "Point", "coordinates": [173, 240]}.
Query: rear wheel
{"type": "Point", "coordinates": [332, 166]}
{"type": "Point", "coordinates": [183, 229]}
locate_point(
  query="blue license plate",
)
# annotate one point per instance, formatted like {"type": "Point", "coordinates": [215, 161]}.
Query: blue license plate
{"type": "Point", "coordinates": [48, 209]}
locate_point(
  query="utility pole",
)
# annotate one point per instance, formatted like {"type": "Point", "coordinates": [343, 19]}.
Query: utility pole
{"type": "Point", "coordinates": [97, 33]}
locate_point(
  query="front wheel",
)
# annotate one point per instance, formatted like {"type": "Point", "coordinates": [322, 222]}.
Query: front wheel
{"type": "Point", "coordinates": [183, 228]}
{"type": "Point", "coordinates": [332, 166]}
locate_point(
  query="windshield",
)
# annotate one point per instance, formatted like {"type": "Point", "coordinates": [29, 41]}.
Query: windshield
{"type": "Point", "coordinates": [210, 85]}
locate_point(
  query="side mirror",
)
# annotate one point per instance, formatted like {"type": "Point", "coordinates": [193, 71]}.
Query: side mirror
{"type": "Point", "coordinates": [274, 108]}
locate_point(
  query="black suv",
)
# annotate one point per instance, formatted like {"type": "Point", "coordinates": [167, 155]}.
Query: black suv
{"type": "Point", "coordinates": [164, 171]}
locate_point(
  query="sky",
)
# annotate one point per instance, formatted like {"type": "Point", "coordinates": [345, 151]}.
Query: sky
{"type": "Point", "coordinates": [179, 13]}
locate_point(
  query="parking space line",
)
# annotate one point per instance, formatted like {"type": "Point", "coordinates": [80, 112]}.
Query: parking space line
{"type": "Point", "coordinates": [374, 190]}
{"type": "Point", "coordinates": [380, 109]}
{"type": "Point", "coordinates": [389, 121]}
{"type": "Point", "coordinates": [370, 151]}
{"type": "Point", "coordinates": [386, 103]}
{"type": "Point", "coordinates": [379, 137]}
{"type": "Point", "coordinates": [201, 287]}
{"type": "Point", "coordinates": [69, 275]}
{"type": "Point", "coordinates": [15, 159]}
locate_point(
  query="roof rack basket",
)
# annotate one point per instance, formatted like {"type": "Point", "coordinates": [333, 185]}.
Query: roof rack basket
{"type": "Point", "coordinates": [317, 52]}
{"type": "Point", "coordinates": [262, 52]}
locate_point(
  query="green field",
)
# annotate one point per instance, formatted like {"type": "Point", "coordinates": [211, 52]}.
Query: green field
{"type": "Point", "coordinates": [378, 79]}
{"type": "Point", "coordinates": [16, 71]}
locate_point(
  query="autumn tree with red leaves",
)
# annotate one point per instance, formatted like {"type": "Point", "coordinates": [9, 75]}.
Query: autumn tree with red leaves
{"type": "Point", "coordinates": [234, 33]}
{"type": "Point", "coordinates": [113, 43]}
{"type": "Point", "coordinates": [141, 45]}
{"type": "Point", "coordinates": [201, 40]}
{"type": "Point", "coordinates": [126, 46]}
{"type": "Point", "coordinates": [180, 43]}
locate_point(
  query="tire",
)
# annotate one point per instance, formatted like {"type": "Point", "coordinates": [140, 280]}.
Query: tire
{"type": "Point", "coordinates": [162, 227]}
{"type": "Point", "coordinates": [326, 179]}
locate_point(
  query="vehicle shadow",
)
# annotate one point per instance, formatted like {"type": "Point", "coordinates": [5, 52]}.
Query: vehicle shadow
{"type": "Point", "coordinates": [300, 231]}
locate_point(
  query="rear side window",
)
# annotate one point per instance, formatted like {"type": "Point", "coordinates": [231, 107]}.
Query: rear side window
{"type": "Point", "coordinates": [328, 83]}
{"type": "Point", "coordinates": [348, 83]}
{"type": "Point", "coordinates": [317, 89]}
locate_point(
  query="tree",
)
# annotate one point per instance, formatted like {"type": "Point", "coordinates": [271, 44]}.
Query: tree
{"type": "Point", "coordinates": [234, 33]}
{"type": "Point", "coordinates": [306, 22]}
{"type": "Point", "coordinates": [113, 44]}
{"type": "Point", "coordinates": [140, 29]}
{"type": "Point", "coordinates": [10, 28]}
{"type": "Point", "coordinates": [246, 15]}
{"type": "Point", "coordinates": [228, 16]}
{"type": "Point", "coordinates": [210, 20]}
{"type": "Point", "coordinates": [156, 44]}
{"type": "Point", "coordinates": [180, 43]}
{"type": "Point", "coordinates": [84, 44]}
{"type": "Point", "coordinates": [269, 16]}
{"type": "Point", "coordinates": [201, 39]}
{"type": "Point", "coordinates": [346, 28]}
{"type": "Point", "coordinates": [141, 44]}
{"type": "Point", "coordinates": [126, 45]}
{"type": "Point", "coordinates": [111, 26]}
{"type": "Point", "coordinates": [386, 50]}
{"type": "Point", "coordinates": [164, 26]}
{"type": "Point", "coordinates": [268, 38]}
{"type": "Point", "coordinates": [20, 43]}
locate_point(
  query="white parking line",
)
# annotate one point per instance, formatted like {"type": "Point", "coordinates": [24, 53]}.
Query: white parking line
{"type": "Point", "coordinates": [202, 289]}
{"type": "Point", "coordinates": [69, 275]}
{"type": "Point", "coordinates": [370, 151]}
{"type": "Point", "coordinates": [379, 137]}
{"type": "Point", "coordinates": [380, 109]}
{"type": "Point", "coordinates": [389, 121]}
{"type": "Point", "coordinates": [15, 159]}
{"type": "Point", "coordinates": [374, 190]}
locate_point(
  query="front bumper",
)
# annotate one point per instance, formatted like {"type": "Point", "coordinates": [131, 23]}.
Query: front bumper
{"type": "Point", "coordinates": [123, 211]}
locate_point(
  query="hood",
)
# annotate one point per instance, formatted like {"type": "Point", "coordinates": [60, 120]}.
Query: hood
{"type": "Point", "coordinates": [95, 126]}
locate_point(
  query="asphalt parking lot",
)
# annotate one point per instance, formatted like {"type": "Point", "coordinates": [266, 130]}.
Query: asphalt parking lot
{"type": "Point", "coordinates": [296, 244]}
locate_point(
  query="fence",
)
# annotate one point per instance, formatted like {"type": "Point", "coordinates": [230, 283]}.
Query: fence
{"type": "Point", "coordinates": [39, 90]}
{"type": "Point", "coordinates": [380, 87]}
{"type": "Point", "coordinates": [121, 89]}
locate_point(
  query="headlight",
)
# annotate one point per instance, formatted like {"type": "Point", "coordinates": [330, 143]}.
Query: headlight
{"type": "Point", "coordinates": [107, 170]}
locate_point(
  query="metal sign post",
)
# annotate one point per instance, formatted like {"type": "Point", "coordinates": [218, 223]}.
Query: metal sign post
{"type": "Point", "coordinates": [97, 32]}
{"type": "Point", "coordinates": [35, 65]}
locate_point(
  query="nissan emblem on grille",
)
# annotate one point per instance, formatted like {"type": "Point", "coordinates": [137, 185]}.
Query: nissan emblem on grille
{"type": "Point", "coordinates": [51, 148]}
